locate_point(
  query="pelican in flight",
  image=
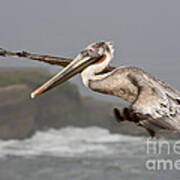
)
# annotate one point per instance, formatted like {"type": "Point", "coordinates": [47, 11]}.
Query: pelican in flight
{"type": "Point", "coordinates": [154, 105]}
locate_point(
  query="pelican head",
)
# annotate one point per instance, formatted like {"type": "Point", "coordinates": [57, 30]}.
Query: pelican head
{"type": "Point", "coordinates": [95, 57]}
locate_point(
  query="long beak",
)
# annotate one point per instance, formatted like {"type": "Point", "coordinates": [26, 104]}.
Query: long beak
{"type": "Point", "coordinates": [76, 66]}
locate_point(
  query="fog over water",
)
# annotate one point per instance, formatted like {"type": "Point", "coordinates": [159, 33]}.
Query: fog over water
{"type": "Point", "coordinates": [145, 33]}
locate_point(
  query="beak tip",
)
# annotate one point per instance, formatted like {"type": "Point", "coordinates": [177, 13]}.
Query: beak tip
{"type": "Point", "coordinates": [32, 95]}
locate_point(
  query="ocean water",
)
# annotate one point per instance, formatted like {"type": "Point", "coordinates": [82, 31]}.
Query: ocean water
{"type": "Point", "coordinates": [91, 153]}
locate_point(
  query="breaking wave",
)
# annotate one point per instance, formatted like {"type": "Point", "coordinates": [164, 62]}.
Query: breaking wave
{"type": "Point", "coordinates": [72, 141]}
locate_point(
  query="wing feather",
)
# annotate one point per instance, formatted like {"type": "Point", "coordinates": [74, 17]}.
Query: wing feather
{"type": "Point", "coordinates": [153, 103]}
{"type": "Point", "coordinates": [158, 102]}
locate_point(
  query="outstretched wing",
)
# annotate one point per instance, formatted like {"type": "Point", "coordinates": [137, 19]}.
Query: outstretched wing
{"type": "Point", "coordinates": [43, 58]}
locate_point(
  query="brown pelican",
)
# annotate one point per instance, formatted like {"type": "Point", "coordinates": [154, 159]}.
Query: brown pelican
{"type": "Point", "coordinates": [154, 105]}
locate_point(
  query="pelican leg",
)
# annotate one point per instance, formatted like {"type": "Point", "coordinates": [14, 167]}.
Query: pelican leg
{"type": "Point", "coordinates": [141, 120]}
{"type": "Point", "coordinates": [129, 115]}
{"type": "Point", "coordinates": [126, 115]}
{"type": "Point", "coordinates": [150, 131]}
{"type": "Point", "coordinates": [118, 116]}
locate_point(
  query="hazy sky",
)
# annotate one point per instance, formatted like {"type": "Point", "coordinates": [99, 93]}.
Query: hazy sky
{"type": "Point", "coordinates": [146, 33]}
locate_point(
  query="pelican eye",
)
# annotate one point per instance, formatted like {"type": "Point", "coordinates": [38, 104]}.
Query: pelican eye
{"type": "Point", "coordinates": [92, 52]}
